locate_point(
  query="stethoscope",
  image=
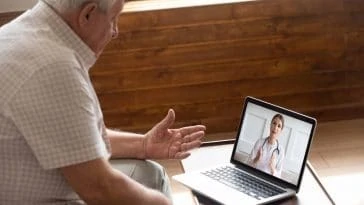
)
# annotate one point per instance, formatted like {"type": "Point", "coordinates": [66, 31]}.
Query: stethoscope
{"type": "Point", "coordinates": [275, 149]}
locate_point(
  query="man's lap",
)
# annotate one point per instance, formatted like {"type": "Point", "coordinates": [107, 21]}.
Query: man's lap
{"type": "Point", "coordinates": [146, 172]}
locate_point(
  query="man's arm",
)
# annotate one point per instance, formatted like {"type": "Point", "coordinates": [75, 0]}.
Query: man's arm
{"type": "Point", "coordinates": [96, 182]}
{"type": "Point", "coordinates": [126, 144]}
{"type": "Point", "coordinates": [160, 142]}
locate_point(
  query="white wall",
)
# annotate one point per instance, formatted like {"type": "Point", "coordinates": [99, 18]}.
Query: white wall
{"type": "Point", "coordinates": [16, 5]}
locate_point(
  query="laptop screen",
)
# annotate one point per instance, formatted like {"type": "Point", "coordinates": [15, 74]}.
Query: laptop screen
{"type": "Point", "coordinates": [274, 140]}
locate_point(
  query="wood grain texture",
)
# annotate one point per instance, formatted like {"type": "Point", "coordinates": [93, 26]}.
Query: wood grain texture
{"type": "Point", "coordinates": [7, 17]}
{"type": "Point", "coordinates": [202, 61]}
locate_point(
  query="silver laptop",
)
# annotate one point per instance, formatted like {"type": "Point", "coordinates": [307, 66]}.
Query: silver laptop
{"type": "Point", "coordinates": [267, 161]}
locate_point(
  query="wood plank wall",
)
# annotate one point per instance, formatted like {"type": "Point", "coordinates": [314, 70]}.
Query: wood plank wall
{"type": "Point", "coordinates": [306, 55]}
{"type": "Point", "coordinates": [6, 17]}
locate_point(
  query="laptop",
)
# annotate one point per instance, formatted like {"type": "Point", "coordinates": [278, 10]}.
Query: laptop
{"type": "Point", "coordinates": [267, 161]}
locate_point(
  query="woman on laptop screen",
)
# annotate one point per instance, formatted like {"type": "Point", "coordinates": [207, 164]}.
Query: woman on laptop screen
{"type": "Point", "coordinates": [267, 154]}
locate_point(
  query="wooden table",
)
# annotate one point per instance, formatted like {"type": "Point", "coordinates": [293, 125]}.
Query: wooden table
{"type": "Point", "coordinates": [311, 192]}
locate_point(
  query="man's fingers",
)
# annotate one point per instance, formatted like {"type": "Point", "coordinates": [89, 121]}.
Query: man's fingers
{"type": "Point", "coordinates": [168, 120]}
{"type": "Point", "coordinates": [191, 129]}
{"type": "Point", "coordinates": [190, 145]}
{"type": "Point", "coordinates": [182, 155]}
{"type": "Point", "coordinates": [194, 136]}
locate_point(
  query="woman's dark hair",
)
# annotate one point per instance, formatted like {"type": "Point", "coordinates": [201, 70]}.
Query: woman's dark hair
{"type": "Point", "coordinates": [280, 117]}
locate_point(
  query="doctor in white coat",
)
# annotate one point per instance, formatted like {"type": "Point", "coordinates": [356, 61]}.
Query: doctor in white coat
{"type": "Point", "coordinates": [267, 154]}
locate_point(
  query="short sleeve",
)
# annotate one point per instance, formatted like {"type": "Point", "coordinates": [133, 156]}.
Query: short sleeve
{"type": "Point", "coordinates": [56, 112]}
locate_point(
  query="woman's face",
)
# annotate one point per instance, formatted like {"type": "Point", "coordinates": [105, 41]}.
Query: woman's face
{"type": "Point", "coordinates": [276, 127]}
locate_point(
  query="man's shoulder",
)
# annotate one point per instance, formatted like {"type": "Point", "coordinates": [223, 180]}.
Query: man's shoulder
{"type": "Point", "coordinates": [34, 48]}
{"type": "Point", "coordinates": [30, 36]}
{"type": "Point", "coordinates": [27, 50]}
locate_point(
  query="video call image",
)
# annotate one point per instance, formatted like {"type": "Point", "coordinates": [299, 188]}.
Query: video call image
{"type": "Point", "coordinates": [273, 142]}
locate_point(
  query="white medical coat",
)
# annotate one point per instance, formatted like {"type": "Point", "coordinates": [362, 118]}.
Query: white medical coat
{"type": "Point", "coordinates": [267, 151]}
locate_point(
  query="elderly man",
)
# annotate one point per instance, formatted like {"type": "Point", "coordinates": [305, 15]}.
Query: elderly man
{"type": "Point", "coordinates": [54, 146]}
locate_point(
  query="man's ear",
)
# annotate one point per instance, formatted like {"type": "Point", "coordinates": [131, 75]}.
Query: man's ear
{"type": "Point", "coordinates": [87, 12]}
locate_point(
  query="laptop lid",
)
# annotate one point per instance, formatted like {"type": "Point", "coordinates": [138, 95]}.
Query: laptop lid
{"type": "Point", "coordinates": [273, 142]}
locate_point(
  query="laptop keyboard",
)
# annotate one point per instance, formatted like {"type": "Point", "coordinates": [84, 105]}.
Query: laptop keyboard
{"type": "Point", "coordinates": [243, 182]}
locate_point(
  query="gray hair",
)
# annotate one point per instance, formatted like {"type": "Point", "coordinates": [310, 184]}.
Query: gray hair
{"type": "Point", "coordinates": [63, 5]}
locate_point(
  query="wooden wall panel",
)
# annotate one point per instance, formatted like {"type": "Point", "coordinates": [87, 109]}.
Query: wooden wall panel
{"type": "Point", "coordinates": [6, 17]}
{"type": "Point", "coordinates": [305, 82]}
{"type": "Point", "coordinates": [236, 29]}
{"type": "Point", "coordinates": [202, 61]}
{"type": "Point", "coordinates": [228, 110]}
{"type": "Point", "coordinates": [307, 55]}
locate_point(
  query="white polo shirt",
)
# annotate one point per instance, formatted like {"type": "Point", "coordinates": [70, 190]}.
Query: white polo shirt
{"type": "Point", "coordinates": [50, 116]}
